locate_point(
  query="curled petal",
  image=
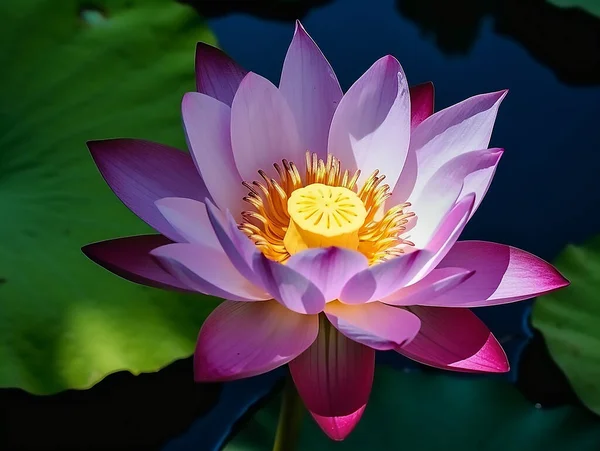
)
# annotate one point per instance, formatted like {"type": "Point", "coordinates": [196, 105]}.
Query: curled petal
{"type": "Point", "coordinates": [455, 339]}
{"type": "Point", "coordinates": [289, 287]}
{"type": "Point", "coordinates": [328, 268]}
{"type": "Point", "coordinates": [242, 339]}
{"type": "Point", "coordinates": [376, 325]}
{"type": "Point", "coordinates": [380, 280]}
{"type": "Point", "coordinates": [334, 377]}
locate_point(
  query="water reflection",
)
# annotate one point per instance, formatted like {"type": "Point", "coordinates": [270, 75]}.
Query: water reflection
{"type": "Point", "coordinates": [565, 40]}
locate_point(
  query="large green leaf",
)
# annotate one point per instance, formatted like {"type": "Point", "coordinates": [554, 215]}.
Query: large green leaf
{"type": "Point", "coordinates": [591, 6]}
{"type": "Point", "coordinates": [432, 412]}
{"type": "Point", "coordinates": [69, 75]}
{"type": "Point", "coordinates": [570, 321]}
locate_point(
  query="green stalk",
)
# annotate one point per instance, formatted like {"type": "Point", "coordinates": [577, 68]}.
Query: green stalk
{"type": "Point", "coordinates": [290, 418]}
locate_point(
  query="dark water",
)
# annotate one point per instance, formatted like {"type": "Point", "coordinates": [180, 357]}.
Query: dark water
{"type": "Point", "coordinates": [544, 196]}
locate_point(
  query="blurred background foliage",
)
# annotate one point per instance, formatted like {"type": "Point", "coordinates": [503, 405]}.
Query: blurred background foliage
{"type": "Point", "coordinates": [74, 73]}
{"type": "Point", "coordinates": [79, 70]}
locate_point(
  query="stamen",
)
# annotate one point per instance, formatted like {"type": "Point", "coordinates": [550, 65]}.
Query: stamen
{"type": "Point", "coordinates": [268, 221]}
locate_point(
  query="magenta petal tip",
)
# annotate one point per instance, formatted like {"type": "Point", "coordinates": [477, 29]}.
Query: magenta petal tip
{"type": "Point", "coordinates": [338, 428]}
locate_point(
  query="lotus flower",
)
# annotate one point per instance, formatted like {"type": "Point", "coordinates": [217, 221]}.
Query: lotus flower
{"type": "Point", "coordinates": [327, 221]}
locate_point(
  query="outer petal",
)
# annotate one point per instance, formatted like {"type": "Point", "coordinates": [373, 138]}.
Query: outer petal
{"type": "Point", "coordinates": [208, 271]}
{"type": "Point", "coordinates": [440, 193]}
{"type": "Point", "coordinates": [376, 325]}
{"type": "Point", "coordinates": [503, 274]}
{"type": "Point", "coordinates": [190, 219]}
{"type": "Point", "coordinates": [130, 258]}
{"type": "Point", "coordinates": [426, 290]}
{"type": "Point", "coordinates": [455, 339]}
{"type": "Point", "coordinates": [242, 339]}
{"type": "Point", "coordinates": [207, 126]}
{"type": "Point", "coordinates": [217, 75]}
{"type": "Point", "coordinates": [371, 127]}
{"type": "Point", "coordinates": [378, 281]}
{"type": "Point", "coordinates": [453, 131]}
{"type": "Point", "coordinates": [334, 378]}
{"type": "Point", "coordinates": [141, 172]}
{"type": "Point", "coordinates": [263, 128]}
{"type": "Point", "coordinates": [442, 240]}
{"type": "Point", "coordinates": [421, 103]}
{"type": "Point", "coordinates": [328, 268]}
{"type": "Point", "coordinates": [311, 89]}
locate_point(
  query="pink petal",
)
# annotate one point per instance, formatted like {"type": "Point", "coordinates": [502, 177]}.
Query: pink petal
{"type": "Point", "coordinates": [421, 103]}
{"type": "Point", "coordinates": [217, 75]}
{"type": "Point", "coordinates": [503, 274]}
{"type": "Point", "coordinates": [376, 325]}
{"type": "Point", "coordinates": [439, 194]}
{"type": "Point", "coordinates": [207, 127]}
{"type": "Point", "coordinates": [443, 239]}
{"type": "Point", "coordinates": [284, 284]}
{"type": "Point", "coordinates": [338, 428]}
{"type": "Point", "coordinates": [371, 127]}
{"type": "Point", "coordinates": [289, 287]}
{"type": "Point", "coordinates": [130, 258]}
{"type": "Point", "coordinates": [334, 379]}
{"type": "Point", "coordinates": [311, 89]}
{"type": "Point", "coordinates": [243, 339]}
{"type": "Point", "coordinates": [189, 218]}
{"type": "Point", "coordinates": [379, 280]}
{"type": "Point", "coordinates": [208, 271]}
{"type": "Point", "coordinates": [263, 128]}
{"type": "Point", "coordinates": [456, 340]}
{"type": "Point", "coordinates": [328, 268]}
{"type": "Point", "coordinates": [239, 249]}
{"type": "Point", "coordinates": [426, 290]}
{"type": "Point", "coordinates": [461, 128]}
{"type": "Point", "coordinates": [141, 172]}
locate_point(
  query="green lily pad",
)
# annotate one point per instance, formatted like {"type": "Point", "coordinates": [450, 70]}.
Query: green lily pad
{"type": "Point", "coordinates": [432, 412]}
{"type": "Point", "coordinates": [591, 6]}
{"type": "Point", "coordinates": [71, 74]}
{"type": "Point", "coordinates": [569, 319]}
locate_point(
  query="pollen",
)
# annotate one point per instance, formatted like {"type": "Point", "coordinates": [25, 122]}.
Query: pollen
{"type": "Point", "coordinates": [322, 208]}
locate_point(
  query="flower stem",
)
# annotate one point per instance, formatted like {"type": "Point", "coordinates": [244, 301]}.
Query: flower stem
{"type": "Point", "coordinates": [290, 418]}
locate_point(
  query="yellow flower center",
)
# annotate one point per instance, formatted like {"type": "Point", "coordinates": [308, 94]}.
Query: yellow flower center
{"type": "Point", "coordinates": [322, 216]}
{"type": "Point", "coordinates": [323, 208]}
